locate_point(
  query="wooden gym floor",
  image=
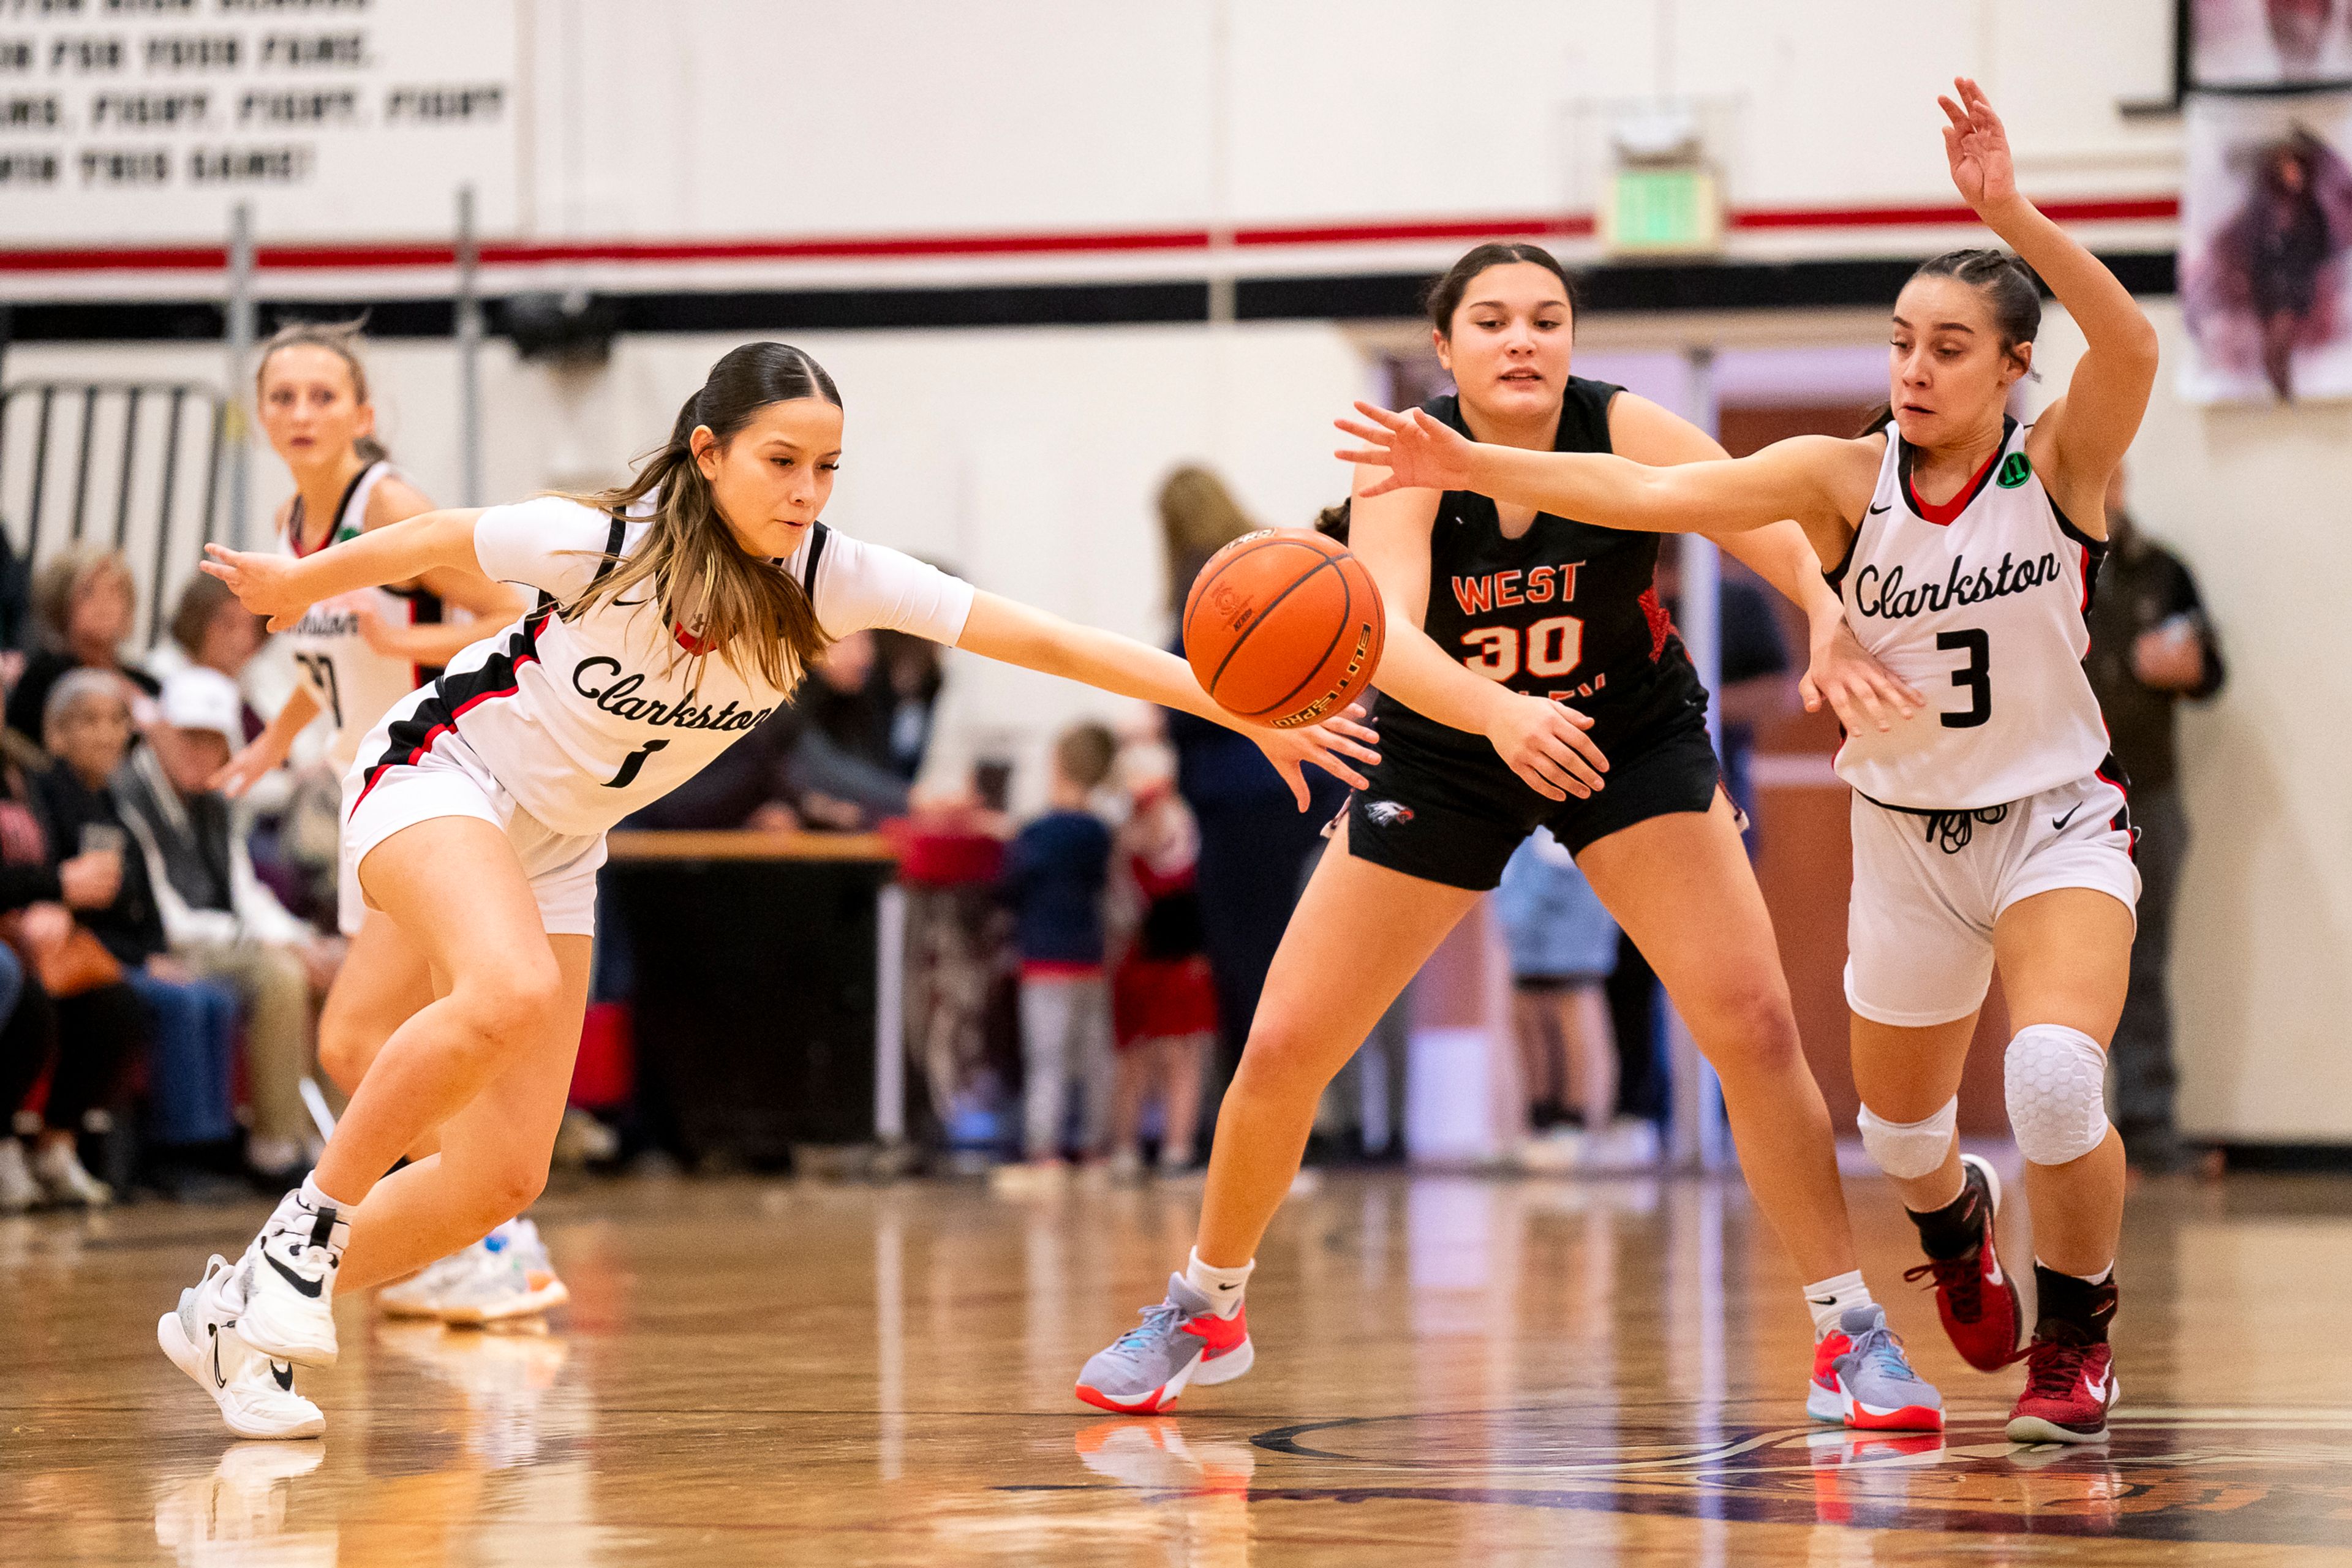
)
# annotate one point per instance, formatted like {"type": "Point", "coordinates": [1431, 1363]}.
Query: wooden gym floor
{"type": "Point", "coordinates": [1450, 1369]}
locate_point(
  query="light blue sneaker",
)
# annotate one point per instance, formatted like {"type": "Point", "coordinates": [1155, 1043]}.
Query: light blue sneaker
{"type": "Point", "coordinates": [1181, 1341]}
{"type": "Point", "coordinates": [1861, 1379]}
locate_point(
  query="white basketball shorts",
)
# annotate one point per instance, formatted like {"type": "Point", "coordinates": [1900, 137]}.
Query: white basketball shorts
{"type": "Point", "coordinates": [1928, 889]}
{"type": "Point", "coordinates": [450, 779]}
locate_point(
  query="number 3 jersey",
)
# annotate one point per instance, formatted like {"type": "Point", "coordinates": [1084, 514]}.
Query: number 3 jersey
{"type": "Point", "coordinates": [1981, 604]}
{"type": "Point", "coordinates": [352, 684]}
{"type": "Point", "coordinates": [585, 718]}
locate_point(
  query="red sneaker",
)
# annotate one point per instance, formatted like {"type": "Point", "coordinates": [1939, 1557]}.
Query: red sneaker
{"type": "Point", "coordinates": [1977, 1299]}
{"type": "Point", "coordinates": [2070, 1386]}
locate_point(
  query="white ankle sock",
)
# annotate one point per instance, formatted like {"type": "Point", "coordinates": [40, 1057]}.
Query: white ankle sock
{"type": "Point", "coordinates": [300, 1209]}
{"type": "Point", "coordinates": [1827, 1300]}
{"type": "Point", "coordinates": [1221, 1285]}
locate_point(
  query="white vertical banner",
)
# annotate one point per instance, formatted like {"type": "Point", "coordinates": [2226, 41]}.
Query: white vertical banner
{"type": "Point", "coordinates": [335, 120]}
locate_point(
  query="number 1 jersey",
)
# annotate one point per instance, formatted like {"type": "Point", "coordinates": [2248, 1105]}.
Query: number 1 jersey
{"type": "Point", "coordinates": [1982, 605]}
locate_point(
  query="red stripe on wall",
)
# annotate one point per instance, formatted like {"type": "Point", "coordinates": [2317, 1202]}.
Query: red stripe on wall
{"type": "Point", "coordinates": [342, 257]}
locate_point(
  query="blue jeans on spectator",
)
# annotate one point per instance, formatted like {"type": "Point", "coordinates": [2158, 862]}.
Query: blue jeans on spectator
{"type": "Point", "coordinates": [189, 1065]}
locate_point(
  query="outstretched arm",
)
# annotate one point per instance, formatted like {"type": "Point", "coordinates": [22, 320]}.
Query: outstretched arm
{"type": "Point", "coordinates": [2090, 427]}
{"type": "Point", "coordinates": [491, 604]}
{"type": "Point", "coordinates": [1012, 633]}
{"type": "Point", "coordinates": [1790, 479]}
{"type": "Point", "coordinates": [281, 587]}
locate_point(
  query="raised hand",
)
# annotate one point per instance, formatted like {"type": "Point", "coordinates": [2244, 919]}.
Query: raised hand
{"type": "Point", "coordinates": [1863, 692]}
{"type": "Point", "coordinates": [1418, 452]}
{"type": "Point", "coordinates": [264, 583]}
{"type": "Point", "coordinates": [1329, 745]}
{"type": "Point", "coordinates": [1976, 144]}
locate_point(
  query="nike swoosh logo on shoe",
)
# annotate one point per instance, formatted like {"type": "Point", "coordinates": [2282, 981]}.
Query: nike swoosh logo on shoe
{"type": "Point", "coordinates": [2096, 1387]}
{"type": "Point", "coordinates": [1993, 1277]}
{"type": "Point", "coordinates": [310, 1287]}
{"type": "Point", "coordinates": [218, 1381]}
{"type": "Point", "coordinates": [284, 1372]}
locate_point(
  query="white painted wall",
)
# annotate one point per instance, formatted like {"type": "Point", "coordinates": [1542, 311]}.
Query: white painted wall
{"type": "Point", "coordinates": [2255, 501]}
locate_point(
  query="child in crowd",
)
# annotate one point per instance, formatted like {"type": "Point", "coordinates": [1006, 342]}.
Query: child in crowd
{"type": "Point", "coordinates": [1563, 947]}
{"type": "Point", "coordinates": [1054, 873]}
{"type": "Point", "coordinates": [1163, 1001]}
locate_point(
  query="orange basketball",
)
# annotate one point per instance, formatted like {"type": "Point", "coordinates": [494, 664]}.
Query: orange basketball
{"type": "Point", "coordinates": [1284, 627]}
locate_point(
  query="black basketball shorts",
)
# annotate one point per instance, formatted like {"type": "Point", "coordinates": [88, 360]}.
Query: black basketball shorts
{"type": "Point", "coordinates": [1450, 820]}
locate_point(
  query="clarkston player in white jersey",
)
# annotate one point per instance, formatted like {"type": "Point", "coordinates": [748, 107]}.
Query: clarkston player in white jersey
{"type": "Point", "coordinates": [357, 656]}
{"type": "Point", "coordinates": [477, 813]}
{"type": "Point", "coordinates": [1988, 829]}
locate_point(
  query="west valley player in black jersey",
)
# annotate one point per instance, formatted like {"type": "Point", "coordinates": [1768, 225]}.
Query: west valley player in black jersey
{"type": "Point", "coordinates": [1531, 678]}
{"type": "Point", "coordinates": [1992, 831]}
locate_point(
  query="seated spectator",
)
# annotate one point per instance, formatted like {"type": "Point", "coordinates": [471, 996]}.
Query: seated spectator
{"type": "Point", "coordinates": [83, 604]}
{"type": "Point", "coordinates": [210, 630]}
{"type": "Point", "coordinates": [64, 1010]}
{"type": "Point", "coordinates": [1163, 1001]}
{"type": "Point", "coordinates": [218, 919]}
{"type": "Point", "coordinates": [906, 682]}
{"type": "Point", "coordinates": [87, 728]}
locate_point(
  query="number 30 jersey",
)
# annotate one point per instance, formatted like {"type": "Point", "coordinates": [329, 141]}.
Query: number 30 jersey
{"type": "Point", "coordinates": [353, 685]}
{"type": "Point", "coordinates": [1982, 605]}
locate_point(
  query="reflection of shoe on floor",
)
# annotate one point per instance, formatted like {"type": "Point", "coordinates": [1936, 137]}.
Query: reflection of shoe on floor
{"type": "Point", "coordinates": [256, 1394]}
{"type": "Point", "coordinates": [237, 1513]}
{"type": "Point", "coordinates": [1863, 1379]}
{"type": "Point", "coordinates": [1151, 1455]}
{"type": "Point", "coordinates": [511, 1278]}
{"type": "Point", "coordinates": [1853, 1468]}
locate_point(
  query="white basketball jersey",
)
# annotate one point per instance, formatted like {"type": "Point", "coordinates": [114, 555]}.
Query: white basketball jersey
{"type": "Point", "coordinates": [585, 719]}
{"type": "Point", "coordinates": [1981, 605]}
{"type": "Point", "coordinates": [353, 685]}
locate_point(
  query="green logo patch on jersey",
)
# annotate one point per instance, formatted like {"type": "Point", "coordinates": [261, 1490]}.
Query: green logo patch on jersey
{"type": "Point", "coordinates": [2015, 469]}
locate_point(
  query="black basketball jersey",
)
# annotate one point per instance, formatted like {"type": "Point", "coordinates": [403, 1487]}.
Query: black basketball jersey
{"type": "Point", "coordinates": [1566, 611]}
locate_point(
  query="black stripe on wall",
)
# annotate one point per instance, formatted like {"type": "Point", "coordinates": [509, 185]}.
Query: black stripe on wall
{"type": "Point", "coordinates": [1612, 288]}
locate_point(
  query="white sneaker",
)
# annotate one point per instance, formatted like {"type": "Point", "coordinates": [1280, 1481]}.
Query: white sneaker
{"type": "Point", "coordinates": [419, 1295]}
{"type": "Point", "coordinates": [255, 1393]}
{"type": "Point", "coordinates": [59, 1172]}
{"type": "Point", "coordinates": [18, 1189]}
{"type": "Point", "coordinates": [1629, 1144]}
{"type": "Point", "coordinates": [512, 1279]}
{"type": "Point", "coordinates": [287, 1281]}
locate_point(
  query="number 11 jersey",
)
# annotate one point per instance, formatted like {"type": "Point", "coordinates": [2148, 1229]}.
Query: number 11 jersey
{"type": "Point", "coordinates": [1981, 603]}
{"type": "Point", "coordinates": [353, 685]}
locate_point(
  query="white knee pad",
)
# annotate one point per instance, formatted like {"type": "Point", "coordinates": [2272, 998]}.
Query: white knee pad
{"type": "Point", "coordinates": [1907, 1150]}
{"type": "Point", "coordinates": [2057, 1089]}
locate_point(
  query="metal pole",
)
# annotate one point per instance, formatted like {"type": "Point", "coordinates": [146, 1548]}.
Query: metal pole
{"type": "Point", "coordinates": [890, 1015]}
{"type": "Point", "coordinates": [238, 425]}
{"type": "Point", "coordinates": [470, 354]}
{"type": "Point", "coordinates": [1221, 213]}
{"type": "Point", "coordinates": [1699, 1138]}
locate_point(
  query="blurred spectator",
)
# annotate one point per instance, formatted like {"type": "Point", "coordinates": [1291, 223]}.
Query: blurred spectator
{"type": "Point", "coordinates": [209, 629]}
{"type": "Point", "coordinates": [1054, 875]}
{"type": "Point", "coordinates": [842, 769]}
{"type": "Point", "coordinates": [218, 919]}
{"type": "Point", "coordinates": [64, 1010]}
{"type": "Point", "coordinates": [88, 727]}
{"type": "Point", "coordinates": [2150, 646]}
{"type": "Point", "coordinates": [1254, 841]}
{"type": "Point", "coordinates": [83, 607]}
{"type": "Point", "coordinates": [1163, 1001]}
{"type": "Point", "coordinates": [908, 678]}
{"type": "Point", "coordinates": [1563, 947]}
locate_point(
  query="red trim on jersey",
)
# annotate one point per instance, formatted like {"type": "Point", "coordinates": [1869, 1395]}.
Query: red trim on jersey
{"type": "Point", "coordinates": [1662, 625]}
{"type": "Point", "coordinates": [1945, 514]}
{"type": "Point", "coordinates": [526, 651]}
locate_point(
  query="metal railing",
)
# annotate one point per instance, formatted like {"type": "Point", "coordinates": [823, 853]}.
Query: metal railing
{"type": "Point", "coordinates": [115, 462]}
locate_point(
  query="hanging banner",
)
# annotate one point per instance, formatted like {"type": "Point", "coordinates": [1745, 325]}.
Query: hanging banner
{"type": "Point", "coordinates": [124, 121]}
{"type": "Point", "coordinates": [2266, 248]}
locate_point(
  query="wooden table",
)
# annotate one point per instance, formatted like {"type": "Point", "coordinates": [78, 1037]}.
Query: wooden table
{"type": "Point", "coordinates": [769, 983]}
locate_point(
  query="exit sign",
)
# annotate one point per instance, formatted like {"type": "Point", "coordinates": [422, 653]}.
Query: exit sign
{"type": "Point", "coordinates": [1661, 211]}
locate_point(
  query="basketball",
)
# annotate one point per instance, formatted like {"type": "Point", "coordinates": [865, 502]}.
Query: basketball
{"type": "Point", "coordinates": [1284, 627]}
